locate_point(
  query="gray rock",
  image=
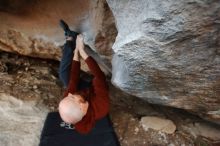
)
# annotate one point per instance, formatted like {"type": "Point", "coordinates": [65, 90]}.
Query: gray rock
{"type": "Point", "coordinates": [21, 121]}
{"type": "Point", "coordinates": [203, 129]}
{"type": "Point", "coordinates": [167, 52]}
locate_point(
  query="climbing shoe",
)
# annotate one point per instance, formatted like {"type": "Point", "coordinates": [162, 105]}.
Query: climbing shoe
{"type": "Point", "coordinates": [67, 31]}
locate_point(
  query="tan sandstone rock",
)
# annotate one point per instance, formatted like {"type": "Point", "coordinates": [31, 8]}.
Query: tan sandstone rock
{"type": "Point", "coordinates": [32, 28]}
{"type": "Point", "coordinates": [158, 123]}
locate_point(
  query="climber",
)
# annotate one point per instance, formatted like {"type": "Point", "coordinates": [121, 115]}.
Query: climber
{"type": "Point", "coordinates": [81, 107]}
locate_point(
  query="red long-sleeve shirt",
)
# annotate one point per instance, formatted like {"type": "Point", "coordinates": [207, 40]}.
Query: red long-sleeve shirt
{"type": "Point", "coordinates": [97, 95]}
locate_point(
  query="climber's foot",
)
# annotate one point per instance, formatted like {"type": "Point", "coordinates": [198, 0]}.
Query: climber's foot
{"type": "Point", "coordinates": [67, 31]}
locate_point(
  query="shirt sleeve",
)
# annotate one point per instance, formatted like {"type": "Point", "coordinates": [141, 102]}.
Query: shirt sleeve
{"type": "Point", "coordinates": [101, 98]}
{"type": "Point", "coordinates": [74, 78]}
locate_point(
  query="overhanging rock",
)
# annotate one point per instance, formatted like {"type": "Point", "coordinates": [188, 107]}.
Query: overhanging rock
{"type": "Point", "coordinates": [167, 52]}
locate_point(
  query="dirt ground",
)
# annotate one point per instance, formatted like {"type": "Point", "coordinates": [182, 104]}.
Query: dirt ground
{"type": "Point", "coordinates": [27, 78]}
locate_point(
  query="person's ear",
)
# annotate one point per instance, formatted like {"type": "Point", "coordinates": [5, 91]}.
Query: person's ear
{"type": "Point", "coordinates": [84, 106]}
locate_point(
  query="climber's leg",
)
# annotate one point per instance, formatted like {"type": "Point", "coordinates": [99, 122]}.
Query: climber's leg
{"type": "Point", "coordinates": [65, 64]}
{"type": "Point", "coordinates": [67, 53]}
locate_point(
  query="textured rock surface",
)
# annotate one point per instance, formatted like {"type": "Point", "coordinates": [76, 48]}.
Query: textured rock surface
{"type": "Point", "coordinates": [21, 121]}
{"type": "Point", "coordinates": [167, 52]}
{"type": "Point", "coordinates": [203, 129]}
{"type": "Point", "coordinates": [157, 123]}
{"type": "Point", "coordinates": [31, 27]}
{"type": "Point", "coordinates": [31, 80]}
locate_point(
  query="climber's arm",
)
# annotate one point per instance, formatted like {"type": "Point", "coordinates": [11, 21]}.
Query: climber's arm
{"type": "Point", "coordinates": [74, 74]}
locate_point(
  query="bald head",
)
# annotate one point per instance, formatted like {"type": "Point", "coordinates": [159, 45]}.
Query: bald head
{"type": "Point", "coordinates": [72, 108]}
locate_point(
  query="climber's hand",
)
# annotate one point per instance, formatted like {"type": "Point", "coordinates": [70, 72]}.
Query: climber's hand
{"type": "Point", "coordinates": [80, 46]}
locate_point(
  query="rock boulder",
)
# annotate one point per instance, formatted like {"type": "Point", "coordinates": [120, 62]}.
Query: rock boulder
{"type": "Point", "coordinates": [32, 28]}
{"type": "Point", "coordinates": [168, 53]}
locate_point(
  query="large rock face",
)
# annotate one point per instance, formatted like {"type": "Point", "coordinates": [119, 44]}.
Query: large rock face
{"type": "Point", "coordinates": [32, 27]}
{"type": "Point", "coordinates": [21, 121]}
{"type": "Point", "coordinates": [167, 52]}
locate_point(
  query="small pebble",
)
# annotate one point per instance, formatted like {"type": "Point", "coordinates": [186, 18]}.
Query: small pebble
{"type": "Point", "coordinates": [35, 87]}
